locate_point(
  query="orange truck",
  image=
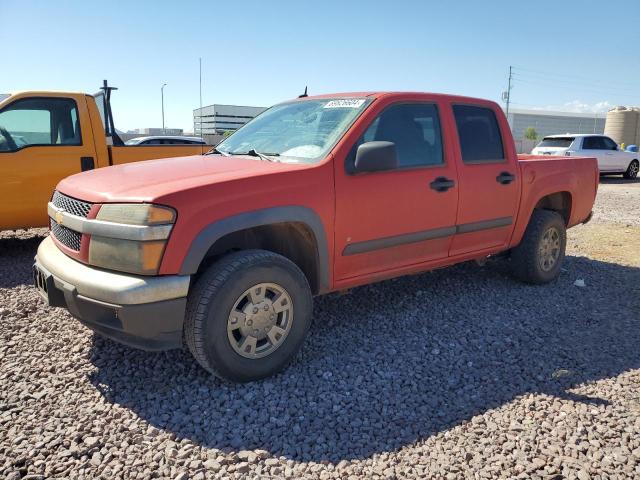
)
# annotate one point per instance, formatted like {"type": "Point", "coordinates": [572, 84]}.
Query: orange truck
{"type": "Point", "coordinates": [47, 136]}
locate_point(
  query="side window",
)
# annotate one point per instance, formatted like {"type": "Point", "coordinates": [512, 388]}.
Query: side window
{"type": "Point", "coordinates": [479, 134]}
{"type": "Point", "coordinates": [594, 143]}
{"type": "Point", "coordinates": [39, 121]}
{"type": "Point", "coordinates": [415, 130]}
{"type": "Point", "coordinates": [609, 144]}
{"type": "Point", "coordinates": [590, 143]}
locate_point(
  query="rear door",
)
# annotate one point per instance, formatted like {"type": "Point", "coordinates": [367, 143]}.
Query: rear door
{"type": "Point", "coordinates": [391, 219]}
{"type": "Point", "coordinates": [42, 141]}
{"type": "Point", "coordinates": [488, 176]}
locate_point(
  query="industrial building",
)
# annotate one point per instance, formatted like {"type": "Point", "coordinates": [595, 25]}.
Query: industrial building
{"type": "Point", "coordinates": [218, 119]}
{"type": "Point", "coordinates": [552, 123]}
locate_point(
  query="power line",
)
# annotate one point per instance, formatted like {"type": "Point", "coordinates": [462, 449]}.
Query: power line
{"type": "Point", "coordinates": [592, 86]}
{"type": "Point", "coordinates": [576, 87]}
{"type": "Point", "coordinates": [572, 77]}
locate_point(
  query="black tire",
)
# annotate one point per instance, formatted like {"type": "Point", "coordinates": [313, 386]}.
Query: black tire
{"type": "Point", "coordinates": [632, 170]}
{"type": "Point", "coordinates": [212, 298]}
{"type": "Point", "coordinates": [526, 259]}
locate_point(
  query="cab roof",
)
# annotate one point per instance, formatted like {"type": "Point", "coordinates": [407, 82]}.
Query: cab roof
{"type": "Point", "coordinates": [380, 94]}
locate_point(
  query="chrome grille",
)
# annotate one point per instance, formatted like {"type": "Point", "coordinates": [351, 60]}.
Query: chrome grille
{"type": "Point", "coordinates": [71, 205]}
{"type": "Point", "coordinates": [66, 236]}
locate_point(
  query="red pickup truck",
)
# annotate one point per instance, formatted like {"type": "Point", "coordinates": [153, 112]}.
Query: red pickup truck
{"type": "Point", "coordinates": [224, 251]}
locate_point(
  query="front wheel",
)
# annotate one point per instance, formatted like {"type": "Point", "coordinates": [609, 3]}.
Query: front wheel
{"type": "Point", "coordinates": [248, 315]}
{"type": "Point", "coordinates": [632, 170]}
{"type": "Point", "coordinates": [539, 256]}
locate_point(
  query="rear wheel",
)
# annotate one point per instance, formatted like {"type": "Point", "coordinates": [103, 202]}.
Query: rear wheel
{"type": "Point", "coordinates": [539, 256]}
{"type": "Point", "coordinates": [248, 315]}
{"type": "Point", "coordinates": [632, 170]}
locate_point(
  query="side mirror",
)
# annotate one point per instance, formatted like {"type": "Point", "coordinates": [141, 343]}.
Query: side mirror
{"type": "Point", "coordinates": [376, 157]}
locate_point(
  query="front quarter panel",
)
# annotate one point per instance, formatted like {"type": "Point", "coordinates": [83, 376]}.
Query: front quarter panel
{"type": "Point", "coordinates": [303, 195]}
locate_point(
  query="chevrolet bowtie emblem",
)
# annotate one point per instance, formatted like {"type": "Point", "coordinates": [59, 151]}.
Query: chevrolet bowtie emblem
{"type": "Point", "coordinates": [59, 218]}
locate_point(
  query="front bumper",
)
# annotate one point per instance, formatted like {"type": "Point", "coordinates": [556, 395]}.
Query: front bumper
{"type": "Point", "coordinates": [143, 312]}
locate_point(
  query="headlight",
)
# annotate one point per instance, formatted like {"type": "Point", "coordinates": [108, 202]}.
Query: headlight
{"type": "Point", "coordinates": [136, 240]}
{"type": "Point", "coordinates": [136, 214]}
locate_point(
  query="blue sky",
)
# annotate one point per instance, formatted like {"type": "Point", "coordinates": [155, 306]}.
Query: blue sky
{"type": "Point", "coordinates": [569, 55]}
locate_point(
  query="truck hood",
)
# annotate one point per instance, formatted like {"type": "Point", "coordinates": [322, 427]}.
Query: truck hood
{"type": "Point", "coordinates": [152, 179]}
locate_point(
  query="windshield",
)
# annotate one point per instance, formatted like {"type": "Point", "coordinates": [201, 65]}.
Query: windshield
{"type": "Point", "coordinates": [300, 131]}
{"type": "Point", "coordinates": [558, 142]}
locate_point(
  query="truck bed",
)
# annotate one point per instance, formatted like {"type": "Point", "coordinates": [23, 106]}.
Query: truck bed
{"type": "Point", "coordinates": [576, 177]}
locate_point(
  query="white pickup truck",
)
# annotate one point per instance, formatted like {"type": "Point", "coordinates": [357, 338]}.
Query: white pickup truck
{"type": "Point", "coordinates": [611, 159]}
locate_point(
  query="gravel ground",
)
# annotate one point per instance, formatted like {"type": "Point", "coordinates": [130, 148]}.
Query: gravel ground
{"type": "Point", "coordinates": [458, 373]}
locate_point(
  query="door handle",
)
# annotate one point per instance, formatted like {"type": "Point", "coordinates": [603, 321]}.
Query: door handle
{"type": "Point", "coordinates": [505, 178]}
{"type": "Point", "coordinates": [87, 163]}
{"type": "Point", "coordinates": [442, 184]}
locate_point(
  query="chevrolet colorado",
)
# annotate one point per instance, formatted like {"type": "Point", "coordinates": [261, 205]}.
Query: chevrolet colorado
{"type": "Point", "coordinates": [223, 252]}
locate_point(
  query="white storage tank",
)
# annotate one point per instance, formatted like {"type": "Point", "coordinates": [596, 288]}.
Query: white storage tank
{"type": "Point", "coordinates": [623, 125]}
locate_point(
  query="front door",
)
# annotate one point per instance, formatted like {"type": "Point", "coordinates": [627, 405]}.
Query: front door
{"type": "Point", "coordinates": [598, 147]}
{"type": "Point", "coordinates": [388, 220]}
{"type": "Point", "coordinates": [617, 158]}
{"type": "Point", "coordinates": [41, 143]}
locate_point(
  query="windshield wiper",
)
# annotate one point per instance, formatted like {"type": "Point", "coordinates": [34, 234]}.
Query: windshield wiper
{"type": "Point", "coordinates": [215, 151]}
{"type": "Point", "coordinates": [264, 156]}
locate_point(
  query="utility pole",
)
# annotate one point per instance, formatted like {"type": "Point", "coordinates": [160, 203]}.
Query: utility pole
{"type": "Point", "coordinates": [162, 99]}
{"type": "Point", "coordinates": [509, 89]}
{"type": "Point", "coordinates": [201, 132]}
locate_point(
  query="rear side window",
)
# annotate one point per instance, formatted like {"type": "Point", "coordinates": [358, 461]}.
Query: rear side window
{"type": "Point", "coordinates": [39, 121]}
{"type": "Point", "coordinates": [593, 143]}
{"type": "Point", "coordinates": [415, 130]}
{"type": "Point", "coordinates": [479, 134]}
{"type": "Point", "coordinates": [558, 142]}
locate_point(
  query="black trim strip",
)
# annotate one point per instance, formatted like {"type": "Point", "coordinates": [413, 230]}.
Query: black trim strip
{"type": "Point", "coordinates": [484, 225]}
{"type": "Point", "coordinates": [387, 242]}
{"type": "Point", "coordinates": [396, 240]}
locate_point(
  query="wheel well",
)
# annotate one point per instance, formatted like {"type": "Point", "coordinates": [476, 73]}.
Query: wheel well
{"type": "Point", "coordinates": [558, 202]}
{"type": "Point", "coordinates": [292, 240]}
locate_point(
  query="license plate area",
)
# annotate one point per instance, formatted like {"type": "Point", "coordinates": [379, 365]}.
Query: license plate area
{"type": "Point", "coordinates": [40, 281]}
{"type": "Point", "coordinates": [47, 289]}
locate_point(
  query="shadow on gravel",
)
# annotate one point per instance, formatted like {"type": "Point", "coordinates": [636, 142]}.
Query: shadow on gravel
{"type": "Point", "coordinates": [396, 362]}
{"type": "Point", "coordinates": [618, 179]}
{"type": "Point", "coordinates": [15, 253]}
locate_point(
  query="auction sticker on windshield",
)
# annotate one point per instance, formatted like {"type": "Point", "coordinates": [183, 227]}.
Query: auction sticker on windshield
{"type": "Point", "coordinates": [345, 103]}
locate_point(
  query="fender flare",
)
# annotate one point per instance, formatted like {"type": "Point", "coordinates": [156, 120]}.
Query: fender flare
{"type": "Point", "coordinates": [210, 234]}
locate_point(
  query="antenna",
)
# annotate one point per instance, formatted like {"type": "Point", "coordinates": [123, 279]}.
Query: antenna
{"type": "Point", "coordinates": [305, 94]}
{"type": "Point", "coordinates": [109, 128]}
